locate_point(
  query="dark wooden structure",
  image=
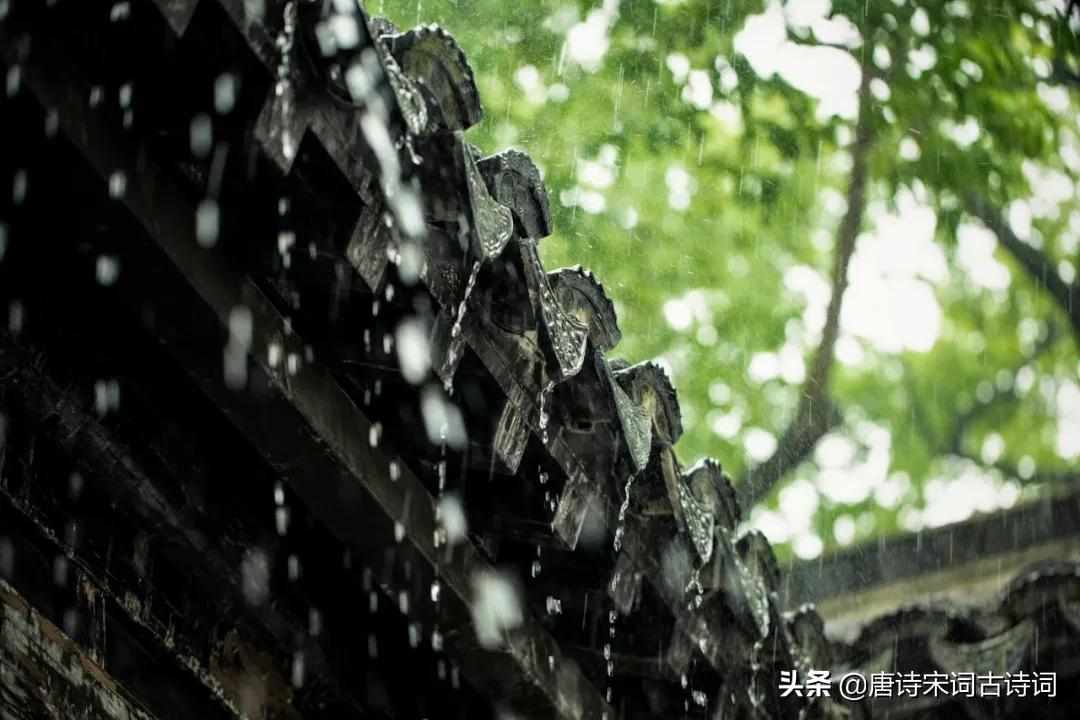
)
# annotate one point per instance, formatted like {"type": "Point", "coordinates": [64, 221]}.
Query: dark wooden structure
{"type": "Point", "coordinates": [294, 423]}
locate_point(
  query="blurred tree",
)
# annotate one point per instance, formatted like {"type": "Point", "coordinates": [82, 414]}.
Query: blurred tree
{"type": "Point", "coordinates": [849, 229]}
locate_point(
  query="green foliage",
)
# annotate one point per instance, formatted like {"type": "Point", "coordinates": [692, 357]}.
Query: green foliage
{"type": "Point", "coordinates": [700, 213]}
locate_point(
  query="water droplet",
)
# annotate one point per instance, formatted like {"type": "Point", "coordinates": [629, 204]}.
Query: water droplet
{"type": "Point", "coordinates": [207, 223]}
{"type": "Point", "coordinates": [117, 184]}
{"type": "Point", "coordinates": [201, 135]}
{"type": "Point", "coordinates": [108, 270]}
{"type": "Point", "coordinates": [225, 93]}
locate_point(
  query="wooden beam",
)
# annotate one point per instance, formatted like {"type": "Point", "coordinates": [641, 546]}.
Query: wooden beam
{"type": "Point", "coordinates": [45, 675]}
{"type": "Point", "coordinates": [310, 429]}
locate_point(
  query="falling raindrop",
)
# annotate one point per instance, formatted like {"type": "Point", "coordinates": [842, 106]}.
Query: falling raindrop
{"type": "Point", "coordinates": [117, 184]}
{"type": "Point", "coordinates": [14, 80]}
{"type": "Point", "coordinates": [18, 187]}
{"type": "Point", "coordinates": [201, 135]}
{"type": "Point", "coordinates": [120, 11]}
{"type": "Point", "coordinates": [455, 330]}
{"type": "Point", "coordinates": [107, 270]}
{"type": "Point", "coordinates": [619, 529]}
{"type": "Point", "coordinates": [281, 519]}
{"type": "Point", "coordinates": [298, 669]}
{"type": "Point", "coordinates": [207, 223]}
{"type": "Point", "coordinates": [225, 93]}
{"type": "Point", "coordinates": [545, 394]}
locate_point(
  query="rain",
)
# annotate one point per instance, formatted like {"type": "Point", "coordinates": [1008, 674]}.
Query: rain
{"type": "Point", "coordinates": [607, 360]}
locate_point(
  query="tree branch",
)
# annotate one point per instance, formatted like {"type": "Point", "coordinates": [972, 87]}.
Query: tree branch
{"type": "Point", "coordinates": [816, 414]}
{"type": "Point", "coordinates": [955, 442]}
{"type": "Point", "coordinates": [1035, 263]}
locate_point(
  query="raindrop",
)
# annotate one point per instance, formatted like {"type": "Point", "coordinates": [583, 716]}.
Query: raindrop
{"type": "Point", "coordinates": [442, 418]}
{"type": "Point", "coordinates": [622, 514]}
{"type": "Point", "coordinates": [201, 135]}
{"type": "Point", "coordinates": [18, 187]}
{"type": "Point", "coordinates": [255, 576]}
{"type": "Point", "coordinates": [60, 570]}
{"type": "Point", "coordinates": [14, 80]}
{"type": "Point", "coordinates": [117, 184]}
{"type": "Point", "coordinates": [281, 519]}
{"type": "Point", "coordinates": [544, 412]}
{"type": "Point", "coordinates": [273, 354]}
{"type": "Point", "coordinates": [298, 669]}
{"type": "Point", "coordinates": [108, 270]}
{"type": "Point", "coordinates": [16, 317]}
{"type": "Point", "coordinates": [496, 607]}
{"type": "Point", "coordinates": [225, 93]}
{"type": "Point", "coordinates": [455, 330]}
{"type": "Point", "coordinates": [52, 123]}
{"type": "Point", "coordinates": [120, 11]}
{"type": "Point", "coordinates": [450, 515]}
{"type": "Point", "coordinates": [207, 223]}
{"type": "Point", "coordinates": [106, 396]}
{"type": "Point", "coordinates": [75, 482]}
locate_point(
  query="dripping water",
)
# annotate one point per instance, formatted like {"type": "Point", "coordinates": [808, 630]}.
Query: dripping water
{"type": "Point", "coordinates": [622, 513]}
{"type": "Point", "coordinates": [545, 414]}
{"type": "Point", "coordinates": [455, 331]}
{"type": "Point", "coordinates": [282, 89]}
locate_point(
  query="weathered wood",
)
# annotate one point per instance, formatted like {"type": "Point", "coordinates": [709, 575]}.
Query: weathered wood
{"type": "Point", "coordinates": [311, 429]}
{"type": "Point", "coordinates": [173, 534]}
{"type": "Point", "coordinates": [44, 675]}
